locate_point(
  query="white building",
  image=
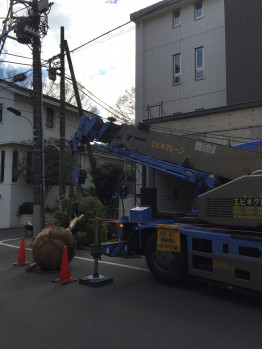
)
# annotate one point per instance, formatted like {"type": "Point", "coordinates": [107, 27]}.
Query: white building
{"type": "Point", "coordinates": [15, 131]}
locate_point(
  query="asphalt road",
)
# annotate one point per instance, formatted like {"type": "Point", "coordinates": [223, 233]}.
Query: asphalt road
{"type": "Point", "coordinates": [133, 312]}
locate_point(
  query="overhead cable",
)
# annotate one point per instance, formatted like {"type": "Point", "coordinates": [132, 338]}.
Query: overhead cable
{"type": "Point", "coordinates": [2, 61]}
{"type": "Point", "coordinates": [100, 36]}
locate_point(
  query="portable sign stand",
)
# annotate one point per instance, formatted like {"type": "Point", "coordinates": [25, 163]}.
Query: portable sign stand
{"type": "Point", "coordinates": [96, 280]}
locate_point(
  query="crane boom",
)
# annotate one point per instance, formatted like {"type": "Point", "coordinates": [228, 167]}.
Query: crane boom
{"type": "Point", "coordinates": [221, 160]}
{"type": "Point", "coordinates": [232, 173]}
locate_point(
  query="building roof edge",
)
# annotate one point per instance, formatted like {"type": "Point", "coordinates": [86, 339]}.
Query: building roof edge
{"type": "Point", "coordinates": [203, 112]}
{"type": "Point", "coordinates": [152, 8]}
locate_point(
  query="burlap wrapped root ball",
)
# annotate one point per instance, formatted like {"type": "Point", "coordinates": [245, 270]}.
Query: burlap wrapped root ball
{"type": "Point", "coordinates": [49, 245]}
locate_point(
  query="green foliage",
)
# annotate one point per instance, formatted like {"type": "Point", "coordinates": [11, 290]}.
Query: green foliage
{"type": "Point", "coordinates": [106, 179]}
{"type": "Point", "coordinates": [62, 218]}
{"type": "Point", "coordinates": [61, 212]}
{"type": "Point", "coordinates": [25, 208]}
{"type": "Point", "coordinates": [86, 237]}
{"type": "Point", "coordinates": [51, 150]}
{"type": "Point", "coordinates": [77, 205]}
{"type": "Point", "coordinates": [93, 206]}
{"type": "Point", "coordinates": [83, 239]}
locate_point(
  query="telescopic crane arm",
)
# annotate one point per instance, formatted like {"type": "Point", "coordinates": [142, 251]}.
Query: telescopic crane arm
{"type": "Point", "coordinates": [188, 152]}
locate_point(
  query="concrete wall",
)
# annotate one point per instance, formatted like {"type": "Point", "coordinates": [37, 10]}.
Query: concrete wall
{"type": "Point", "coordinates": [225, 127]}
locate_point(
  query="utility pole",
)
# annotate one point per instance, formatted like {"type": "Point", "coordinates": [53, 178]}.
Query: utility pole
{"type": "Point", "coordinates": [58, 63]}
{"type": "Point", "coordinates": [79, 105]}
{"type": "Point", "coordinates": [29, 31]}
{"type": "Point", "coordinates": [62, 164]}
{"type": "Point", "coordinates": [38, 143]}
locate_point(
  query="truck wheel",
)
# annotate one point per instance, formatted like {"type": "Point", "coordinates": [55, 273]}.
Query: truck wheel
{"type": "Point", "coordinates": [168, 268]}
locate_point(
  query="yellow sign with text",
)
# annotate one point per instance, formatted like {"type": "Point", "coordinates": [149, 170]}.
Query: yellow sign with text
{"type": "Point", "coordinates": [168, 238]}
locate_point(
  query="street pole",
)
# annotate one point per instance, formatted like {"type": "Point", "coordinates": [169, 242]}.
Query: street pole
{"type": "Point", "coordinates": [29, 30]}
{"type": "Point", "coordinates": [79, 105]}
{"type": "Point", "coordinates": [62, 167]}
{"type": "Point", "coordinates": [38, 140]}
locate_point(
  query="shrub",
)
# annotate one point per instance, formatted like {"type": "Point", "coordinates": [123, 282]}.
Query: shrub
{"type": "Point", "coordinates": [61, 212]}
{"type": "Point", "coordinates": [49, 210]}
{"type": "Point", "coordinates": [90, 206]}
{"type": "Point", "coordinates": [25, 208]}
{"type": "Point", "coordinates": [106, 179]}
{"type": "Point", "coordinates": [93, 206]}
{"type": "Point", "coordinates": [86, 237]}
{"type": "Point", "coordinates": [62, 218]}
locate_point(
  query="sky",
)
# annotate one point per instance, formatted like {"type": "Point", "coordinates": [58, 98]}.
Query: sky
{"type": "Point", "coordinates": [107, 66]}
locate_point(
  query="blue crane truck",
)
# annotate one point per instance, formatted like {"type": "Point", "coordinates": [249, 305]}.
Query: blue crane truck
{"type": "Point", "coordinates": [223, 240]}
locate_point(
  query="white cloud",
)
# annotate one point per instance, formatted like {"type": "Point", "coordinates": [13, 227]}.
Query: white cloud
{"type": "Point", "coordinates": [112, 1]}
{"type": "Point", "coordinates": [106, 67]}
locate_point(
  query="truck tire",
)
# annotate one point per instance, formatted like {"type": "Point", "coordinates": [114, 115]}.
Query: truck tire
{"type": "Point", "coordinates": [168, 268]}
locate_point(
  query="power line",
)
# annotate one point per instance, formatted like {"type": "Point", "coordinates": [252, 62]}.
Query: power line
{"type": "Point", "coordinates": [11, 54]}
{"type": "Point", "coordinates": [99, 99]}
{"type": "Point", "coordinates": [108, 108]}
{"type": "Point", "coordinates": [100, 36]}
{"type": "Point", "coordinates": [110, 31]}
{"type": "Point", "coordinates": [102, 106]}
{"type": "Point", "coordinates": [110, 38]}
{"type": "Point", "coordinates": [15, 63]}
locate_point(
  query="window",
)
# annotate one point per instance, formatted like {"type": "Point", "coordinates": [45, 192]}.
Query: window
{"type": "Point", "coordinates": [176, 18]}
{"type": "Point", "coordinates": [49, 118]}
{"type": "Point", "coordinates": [1, 112]}
{"type": "Point", "coordinates": [199, 54]}
{"type": "Point", "coordinates": [177, 69]}
{"type": "Point", "coordinates": [29, 173]}
{"type": "Point", "coordinates": [198, 9]}
{"type": "Point", "coordinates": [2, 176]}
{"type": "Point", "coordinates": [15, 166]}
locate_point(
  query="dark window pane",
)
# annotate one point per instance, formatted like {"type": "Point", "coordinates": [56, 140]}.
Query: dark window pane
{"type": "Point", "coordinates": [1, 112]}
{"type": "Point", "coordinates": [177, 17]}
{"type": "Point", "coordinates": [15, 166]}
{"type": "Point", "coordinates": [2, 166]}
{"type": "Point", "coordinates": [49, 118]}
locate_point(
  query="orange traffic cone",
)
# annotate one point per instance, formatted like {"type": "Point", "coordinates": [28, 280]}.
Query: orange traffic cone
{"type": "Point", "coordinates": [64, 276]}
{"type": "Point", "coordinates": [21, 260]}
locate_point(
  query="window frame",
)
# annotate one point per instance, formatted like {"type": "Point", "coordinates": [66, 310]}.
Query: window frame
{"type": "Point", "coordinates": [15, 166]}
{"type": "Point", "coordinates": [199, 68]}
{"type": "Point", "coordinates": [29, 163]}
{"type": "Point", "coordinates": [1, 112]}
{"type": "Point", "coordinates": [174, 17]}
{"type": "Point", "coordinates": [196, 10]}
{"type": "Point", "coordinates": [177, 75]}
{"type": "Point", "coordinates": [2, 174]}
{"type": "Point", "coordinates": [50, 123]}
